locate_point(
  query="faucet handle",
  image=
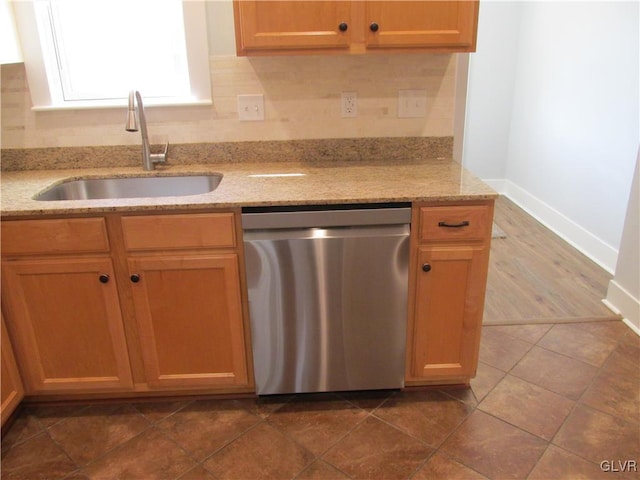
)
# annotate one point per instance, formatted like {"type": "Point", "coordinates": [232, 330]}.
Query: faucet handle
{"type": "Point", "coordinates": [160, 157]}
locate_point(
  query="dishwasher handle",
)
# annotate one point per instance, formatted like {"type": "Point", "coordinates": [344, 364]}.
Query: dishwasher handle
{"type": "Point", "coordinates": [320, 234]}
{"type": "Point", "coordinates": [326, 218]}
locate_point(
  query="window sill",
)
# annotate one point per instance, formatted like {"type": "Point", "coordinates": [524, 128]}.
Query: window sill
{"type": "Point", "coordinates": [121, 103]}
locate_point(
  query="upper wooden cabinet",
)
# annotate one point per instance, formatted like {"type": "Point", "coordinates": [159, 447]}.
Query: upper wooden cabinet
{"type": "Point", "coordinates": [278, 25]}
{"type": "Point", "coordinates": [432, 24]}
{"type": "Point", "coordinates": [310, 27]}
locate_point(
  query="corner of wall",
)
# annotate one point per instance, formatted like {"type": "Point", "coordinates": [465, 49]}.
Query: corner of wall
{"type": "Point", "coordinates": [574, 234]}
{"type": "Point", "coordinates": [624, 290]}
{"type": "Point", "coordinates": [622, 302]}
{"type": "Point", "coordinates": [460, 104]}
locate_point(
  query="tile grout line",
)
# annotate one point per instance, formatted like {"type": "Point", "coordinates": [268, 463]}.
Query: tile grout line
{"type": "Point", "coordinates": [25, 410]}
{"type": "Point", "coordinates": [422, 441]}
{"type": "Point", "coordinates": [576, 403]}
{"type": "Point", "coordinates": [478, 403]}
{"type": "Point", "coordinates": [477, 407]}
{"type": "Point", "coordinates": [590, 383]}
{"type": "Point", "coordinates": [351, 430]}
{"type": "Point", "coordinates": [372, 415]}
{"type": "Point", "coordinates": [319, 459]}
{"type": "Point", "coordinates": [573, 358]}
{"type": "Point", "coordinates": [321, 456]}
{"type": "Point", "coordinates": [261, 420]}
{"type": "Point", "coordinates": [436, 450]}
{"type": "Point", "coordinates": [115, 447]}
{"type": "Point", "coordinates": [223, 447]}
{"type": "Point", "coordinates": [508, 372]}
{"type": "Point", "coordinates": [200, 463]}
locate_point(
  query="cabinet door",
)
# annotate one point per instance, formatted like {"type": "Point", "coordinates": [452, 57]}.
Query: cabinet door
{"type": "Point", "coordinates": [65, 320]}
{"type": "Point", "coordinates": [448, 311]}
{"type": "Point", "coordinates": [189, 315]}
{"type": "Point", "coordinates": [431, 23]}
{"type": "Point", "coordinates": [12, 391]}
{"type": "Point", "coordinates": [279, 24]}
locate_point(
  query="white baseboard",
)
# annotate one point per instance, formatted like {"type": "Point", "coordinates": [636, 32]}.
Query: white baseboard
{"type": "Point", "coordinates": [633, 327]}
{"type": "Point", "coordinates": [618, 299]}
{"type": "Point", "coordinates": [621, 301]}
{"type": "Point", "coordinates": [584, 241]}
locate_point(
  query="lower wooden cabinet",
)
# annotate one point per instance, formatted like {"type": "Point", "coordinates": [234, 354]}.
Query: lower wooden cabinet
{"type": "Point", "coordinates": [189, 315]}
{"type": "Point", "coordinates": [448, 303]}
{"type": "Point", "coordinates": [65, 324]}
{"type": "Point", "coordinates": [11, 392]}
{"type": "Point", "coordinates": [119, 304]}
{"type": "Point", "coordinates": [126, 303]}
{"type": "Point", "coordinates": [450, 254]}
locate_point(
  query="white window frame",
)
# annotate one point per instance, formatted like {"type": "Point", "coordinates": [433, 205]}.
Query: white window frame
{"type": "Point", "coordinates": [45, 87]}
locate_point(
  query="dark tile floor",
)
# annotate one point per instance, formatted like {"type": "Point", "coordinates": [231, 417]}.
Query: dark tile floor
{"type": "Point", "coordinates": [549, 402]}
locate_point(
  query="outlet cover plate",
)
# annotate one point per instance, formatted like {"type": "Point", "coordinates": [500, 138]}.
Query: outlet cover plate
{"type": "Point", "coordinates": [251, 108]}
{"type": "Point", "coordinates": [349, 105]}
{"type": "Point", "coordinates": [412, 103]}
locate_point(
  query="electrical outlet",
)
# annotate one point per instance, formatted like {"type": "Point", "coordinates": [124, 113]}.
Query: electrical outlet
{"type": "Point", "coordinates": [412, 103]}
{"type": "Point", "coordinates": [349, 106]}
{"type": "Point", "coordinates": [251, 107]}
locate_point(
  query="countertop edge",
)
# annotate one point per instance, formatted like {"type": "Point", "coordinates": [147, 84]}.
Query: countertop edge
{"type": "Point", "coordinates": [428, 180]}
{"type": "Point", "coordinates": [69, 211]}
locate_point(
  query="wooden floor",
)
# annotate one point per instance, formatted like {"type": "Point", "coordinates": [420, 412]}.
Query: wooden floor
{"type": "Point", "coordinates": [536, 277]}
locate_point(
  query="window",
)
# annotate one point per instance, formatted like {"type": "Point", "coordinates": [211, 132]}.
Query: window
{"type": "Point", "coordinates": [84, 54]}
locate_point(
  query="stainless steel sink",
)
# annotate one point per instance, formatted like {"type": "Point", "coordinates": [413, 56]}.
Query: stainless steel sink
{"type": "Point", "coordinates": [131, 187]}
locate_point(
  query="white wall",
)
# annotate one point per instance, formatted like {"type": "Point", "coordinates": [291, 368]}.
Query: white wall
{"type": "Point", "coordinates": [221, 27]}
{"type": "Point", "coordinates": [624, 290]}
{"type": "Point", "coordinates": [571, 123]}
{"type": "Point", "coordinates": [490, 91]}
{"type": "Point", "coordinates": [9, 45]}
{"type": "Point", "coordinates": [574, 128]}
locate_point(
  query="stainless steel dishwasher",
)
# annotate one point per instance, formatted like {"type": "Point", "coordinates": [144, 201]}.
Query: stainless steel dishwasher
{"type": "Point", "coordinates": [327, 297]}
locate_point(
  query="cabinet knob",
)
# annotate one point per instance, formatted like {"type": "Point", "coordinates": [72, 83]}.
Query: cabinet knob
{"type": "Point", "coordinates": [426, 267]}
{"type": "Point", "coordinates": [135, 278]}
{"type": "Point", "coordinates": [374, 27]}
{"type": "Point", "coordinates": [343, 27]}
{"type": "Point", "coordinates": [104, 278]}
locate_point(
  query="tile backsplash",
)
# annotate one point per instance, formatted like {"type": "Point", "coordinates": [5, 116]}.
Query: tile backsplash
{"type": "Point", "coordinates": [302, 101]}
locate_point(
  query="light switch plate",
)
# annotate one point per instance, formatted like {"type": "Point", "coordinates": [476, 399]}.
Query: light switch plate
{"type": "Point", "coordinates": [412, 103]}
{"type": "Point", "coordinates": [251, 107]}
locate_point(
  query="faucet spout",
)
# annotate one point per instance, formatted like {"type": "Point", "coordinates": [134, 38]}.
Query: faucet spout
{"type": "Point", "coordinates": [139, 122]}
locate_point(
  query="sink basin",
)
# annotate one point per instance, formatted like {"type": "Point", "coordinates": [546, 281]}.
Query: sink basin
{"type": "Point", "coordinates": [131, 187]}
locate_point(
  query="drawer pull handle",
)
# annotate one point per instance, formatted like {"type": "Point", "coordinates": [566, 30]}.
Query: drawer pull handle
{"type": "Point", "coordinates": [454, 225]}
{"type": "Point", "coordinates": [104, 278]}
{"type": "Point", "coordinates": [374, 27]}
{"type": "Point", "coordinates": [135, 278]}
{"type": "Point", "coordinates": [426, 267]}
{"type": "Point", "coordinates": [343, 27]}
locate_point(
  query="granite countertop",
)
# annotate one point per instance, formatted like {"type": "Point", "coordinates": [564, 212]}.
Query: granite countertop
{"type": "Point", "coordinates": [318, 183]}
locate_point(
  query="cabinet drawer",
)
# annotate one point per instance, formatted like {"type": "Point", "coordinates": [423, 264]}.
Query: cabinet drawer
{"type": "Point", "coordinates": [73, 235]}
{"type": "Point", "coordinates": [452, 223]}
{"type": "Point", "coordinates": [170, 232]}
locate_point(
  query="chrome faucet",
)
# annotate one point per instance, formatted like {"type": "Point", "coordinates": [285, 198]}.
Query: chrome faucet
{"type": "Point", "coordinates": [148, 158]}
